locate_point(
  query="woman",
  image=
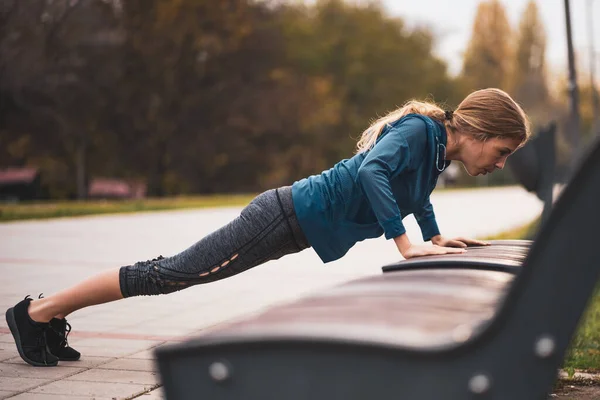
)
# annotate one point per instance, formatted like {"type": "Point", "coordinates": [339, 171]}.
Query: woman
{"type": "Point", "coordinates": [396, 167]}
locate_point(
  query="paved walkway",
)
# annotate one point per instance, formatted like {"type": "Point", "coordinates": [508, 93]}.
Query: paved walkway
{"type": "Point", "coordinates": [117, 339]}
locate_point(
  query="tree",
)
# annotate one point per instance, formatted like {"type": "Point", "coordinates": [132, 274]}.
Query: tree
{"type": "Point", "coordinates": [55, 76]}
{"type": "Point", "coordinates": [373, 61]}
{"type": "Point", "coordinates": [529, 85]}
{"type": "Point", "coordinates": [201, 96]}
{"type": "Point", "coordinates": [488, 56]}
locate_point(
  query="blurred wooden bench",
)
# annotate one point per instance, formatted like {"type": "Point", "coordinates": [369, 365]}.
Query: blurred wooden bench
{"type": "Point", "coordinates": [493, 323]}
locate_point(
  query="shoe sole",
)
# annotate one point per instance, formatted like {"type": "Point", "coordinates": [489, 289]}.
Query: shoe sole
{"type": "Point", "coordinates": [68, 359]}
{"type": "Point", "coordinates": [12, 324]}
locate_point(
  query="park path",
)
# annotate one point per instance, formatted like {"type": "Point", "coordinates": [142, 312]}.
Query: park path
{"type": "Point", "coordinates": [117, 339]}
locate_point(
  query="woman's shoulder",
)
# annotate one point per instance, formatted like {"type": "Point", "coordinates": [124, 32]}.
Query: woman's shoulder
{"type": "Point", "coordinates": [413, 123]}
{"type": "Point", "coordinates": [414, 128]}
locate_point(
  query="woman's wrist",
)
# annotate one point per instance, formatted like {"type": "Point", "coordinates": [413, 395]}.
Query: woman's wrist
{"type": "Point", "coordinates": [403, 243]}
{"type": "Point", "coordinates": [436, 239]}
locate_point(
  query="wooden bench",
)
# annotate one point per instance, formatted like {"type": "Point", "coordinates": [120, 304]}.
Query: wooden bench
{"type": "Point", "coordinates": [493, 323]}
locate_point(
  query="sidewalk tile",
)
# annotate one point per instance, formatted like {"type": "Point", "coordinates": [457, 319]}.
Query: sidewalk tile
{"type": "Point", "coordinates": [20, 384]}
{"type": "Point", "coordinates": [98, 327]}
{"type": "Point", "coordinates": [6, 338]}
{"type": "Point", "coordinates": [110, 352]}
{"type": "Point", "coordinates": [45, 396]}
{"type": "Point", "coordinates": [6, 354]}
{"type": "Point", "coordinates": [27, 371]}
{"type": "Point", "coordinates": [157, 394]}
{"type": "Point", "coordinates": [108, 342]}
{"type": "Point", "coordinates": [14, 360]}
{"type": "Point", "coordinates": [87, 361]}
{"type": "Point", "coordinates": [116, 376]}
{"type": "Point", "coordinates": [131, 364]}
{"type": "Point", "coordinates": [163, 330]}
{"type": "Point", "coordinates": [145, 354]}
{"type": "Point", "coordinates": [92, 389]}
{"type": "Point", "coordinates": [4, 394]}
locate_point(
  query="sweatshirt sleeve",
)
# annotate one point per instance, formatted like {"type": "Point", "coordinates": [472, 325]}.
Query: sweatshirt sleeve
{"type": "Point", "coordinates": [389, 157]}
{"type": "Point", "coordinates": [426, 220]}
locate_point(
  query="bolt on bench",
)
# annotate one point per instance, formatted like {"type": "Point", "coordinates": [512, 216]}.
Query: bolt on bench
{"type": "Point", "coordinates": [493, 323]}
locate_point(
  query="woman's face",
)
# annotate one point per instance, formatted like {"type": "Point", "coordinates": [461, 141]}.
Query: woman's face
{"type": "Point", "coordinates": [482, 158]}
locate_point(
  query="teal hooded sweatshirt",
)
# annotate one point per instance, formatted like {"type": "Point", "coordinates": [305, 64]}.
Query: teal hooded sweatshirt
{"type": "Point", "coordinates": [369, 194]}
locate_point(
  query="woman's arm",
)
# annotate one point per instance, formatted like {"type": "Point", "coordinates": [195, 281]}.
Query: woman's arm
{"type": "Point", "coordinates": [388, 158]}
{"type": "Point", "coordinates": [426, 220]}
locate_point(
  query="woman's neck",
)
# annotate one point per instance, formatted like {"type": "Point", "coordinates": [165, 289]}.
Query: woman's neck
{"type": "Point", "coordinates": [453, 145]}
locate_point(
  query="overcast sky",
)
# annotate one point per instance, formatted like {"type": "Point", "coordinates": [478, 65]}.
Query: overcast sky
{"type": "Point", "coordinates": [452, 21]}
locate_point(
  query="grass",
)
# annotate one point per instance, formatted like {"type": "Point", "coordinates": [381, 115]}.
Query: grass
{"type": "Point", "coordinates": [584, 350]}
{"type": "Point", "coordinates": [527, 231]}
{"type": "Point", "coordinates": [44, 210]}
{"type": "Point", "coordinates": [584, 353]}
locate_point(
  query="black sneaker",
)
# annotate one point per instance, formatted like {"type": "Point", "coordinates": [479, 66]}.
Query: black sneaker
{"type": "Point", "coordinates": [30, 336]}
{"type": "Point", "coordinates": [57, 340]}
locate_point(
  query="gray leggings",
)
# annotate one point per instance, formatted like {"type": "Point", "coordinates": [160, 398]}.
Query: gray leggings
{"type": "Point", "coordinates": [266, 229]}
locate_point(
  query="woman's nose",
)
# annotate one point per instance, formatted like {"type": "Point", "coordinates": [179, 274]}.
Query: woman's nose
{"type": "Point", "coordinates": [500, 164]}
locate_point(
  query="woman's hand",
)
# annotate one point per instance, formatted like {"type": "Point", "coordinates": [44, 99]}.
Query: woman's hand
{"type": "Point", "coordinates": [428, 250]}
{"type": "Point", "coordinates": [439, 240]}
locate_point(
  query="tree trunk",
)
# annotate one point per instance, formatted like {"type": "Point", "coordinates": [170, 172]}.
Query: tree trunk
{"type": "Point", "coordinates": [81, 171]}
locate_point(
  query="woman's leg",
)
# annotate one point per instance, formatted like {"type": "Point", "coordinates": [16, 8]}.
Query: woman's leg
{"type": "Point", "coordinates": [266, 230]}
{"type": "Point", "coordinates": [99, 289]}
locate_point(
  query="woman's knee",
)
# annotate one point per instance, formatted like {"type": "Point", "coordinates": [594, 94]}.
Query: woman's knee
{"type": "Point", "coordinates": [167, 275]}
{"type": "Point", "coordinates": [146, 278]}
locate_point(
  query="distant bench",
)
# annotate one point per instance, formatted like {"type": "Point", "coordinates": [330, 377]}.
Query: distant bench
{"type": "Point", "coordinates": [493, 323]}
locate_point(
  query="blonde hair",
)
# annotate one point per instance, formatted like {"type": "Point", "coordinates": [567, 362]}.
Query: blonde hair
{"type": "Point", "coordinates": [484, 114]}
